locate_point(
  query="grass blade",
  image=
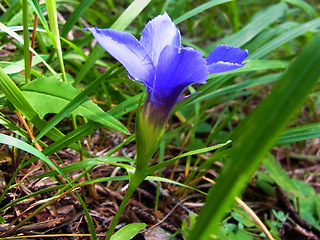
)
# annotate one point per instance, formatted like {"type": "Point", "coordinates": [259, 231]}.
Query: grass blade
{"type": "Point", "coordinates": [19, 39]}
{"type": "Point", "coordinates": [285, 37]}
{"type": "Point", "coordinates": [256, 134]}
{"type": "Point", "coordinates": [52, 14]}
{"type": "Point", "coordinates": [199, 9]}
{"type": "Point", "coordinates": [26, 53]}
{"type": "Point", "coordinates": [259, 22]}
{"type": "Point", "coordinates": [300, 133]}
{"type": "Point", "coordinates": [75, 15]}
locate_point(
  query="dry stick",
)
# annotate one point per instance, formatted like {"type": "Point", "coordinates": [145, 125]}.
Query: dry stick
{"type": "Point", "coordinates": [252, 214]}
{"type": "Point", "coordinates": [37, 145]}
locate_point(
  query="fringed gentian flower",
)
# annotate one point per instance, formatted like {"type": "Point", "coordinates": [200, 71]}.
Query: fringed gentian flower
{"type": "Point", "coordinates": [166, 69]}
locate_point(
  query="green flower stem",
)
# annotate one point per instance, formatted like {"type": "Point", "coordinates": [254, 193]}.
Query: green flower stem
{"type": "Point", "coordinates": [134, 181]}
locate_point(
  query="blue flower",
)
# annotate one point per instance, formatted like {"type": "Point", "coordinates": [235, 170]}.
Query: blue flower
{"type": "Point", "coordinates": [164, 66]}
{"type": "Point", "coordinates": [166, 69]}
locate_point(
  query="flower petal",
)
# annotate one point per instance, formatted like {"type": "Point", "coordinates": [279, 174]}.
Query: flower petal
{"type": "Point", "coordinates": [221, 67]}
{"type": "Point", "coordinates": [128, 51]}
{"type": "Point", "coordinates": [177, 68]}
{"type": "Point", "coordinates": [225, 58]}
{"type": "Point", "coordinates": [157, 34]}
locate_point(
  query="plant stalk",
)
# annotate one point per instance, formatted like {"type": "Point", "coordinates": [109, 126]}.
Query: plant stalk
{"type": "Point", "coordinates": [134, 181]}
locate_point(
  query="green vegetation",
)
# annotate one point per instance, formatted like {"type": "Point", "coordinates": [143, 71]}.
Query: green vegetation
{"type": "Point", "coordinates": [239, 158]}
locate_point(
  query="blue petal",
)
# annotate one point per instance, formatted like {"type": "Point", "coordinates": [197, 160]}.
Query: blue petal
{"type": "Point", "coordinates": [225, 58]}
{"type": "Point", "coordinates": [128, 51]}
{"type": "Point", "coordinates": [157, 34]}
{"type": "Point", "coordinates": [177, 68]}
{"type": "Point", "coordinates": [220, 67]}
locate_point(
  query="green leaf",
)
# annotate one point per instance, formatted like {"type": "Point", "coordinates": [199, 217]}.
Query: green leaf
{"type": "Point", "coordinates": [49, 95]}
{"type": "Point", "coordinates": [256, 134]}
{"type": "Point", "coordinates": [128, 232]}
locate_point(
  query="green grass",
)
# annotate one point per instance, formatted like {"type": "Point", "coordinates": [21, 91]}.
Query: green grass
{"type": "Point", "coordinates": [75, 96]}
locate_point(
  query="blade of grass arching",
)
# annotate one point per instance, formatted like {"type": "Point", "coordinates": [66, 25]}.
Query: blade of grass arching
{"type": "Point", "coordinates": [19, 39]}
{"type": "Point", "coordinates": [26, 53]}
{"type": "Point", "coordinates": [269, 34]}
{"type": "Point", "coordinates": [75, 15]}
{"type": "Point", "coordinates": [199, 9]}
{"type": "Point", "coordinates": [84, 164]}
{"type": "Point", "coordinates": [304, 6]}
{"type": "Point", "coordinates": [126, 106]}
{"type": "Point", "coordinates": [120, 24]}
{"type": "Point", "coordinates": [76, 48]}
{"type": "Point", "coordinates": [300, 133]}
{"type": "Point", "coordinates": [285, 37]}
{"type": "Point", "coordinates": [256, 134]}
{"type": "Point", "coordinates": [53, 20]}
{"type": "Point", "coordinates": [259, 22]}
{"type": "Point", "coordinates": [154, 168]}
